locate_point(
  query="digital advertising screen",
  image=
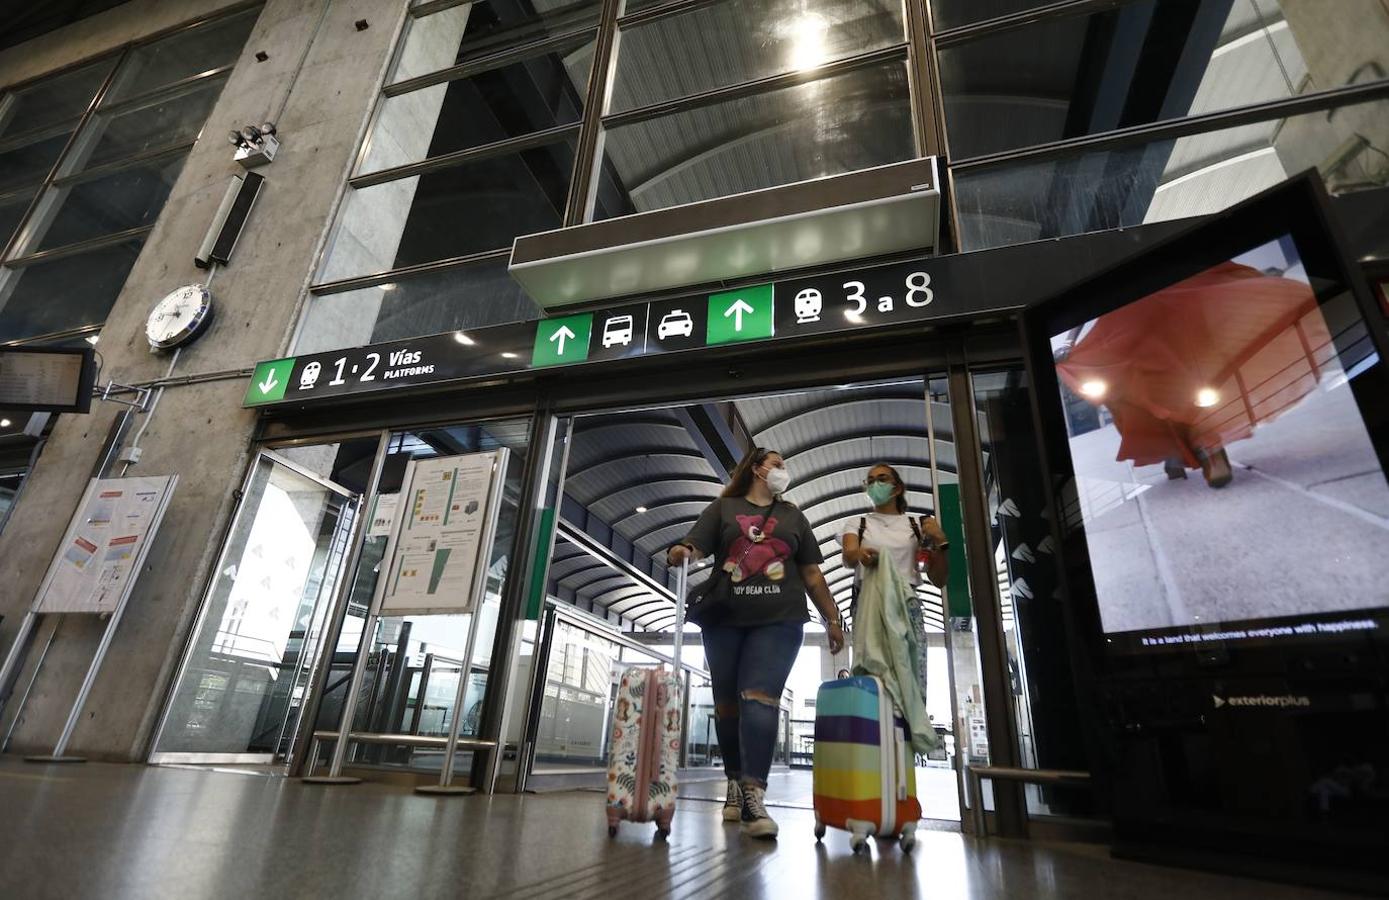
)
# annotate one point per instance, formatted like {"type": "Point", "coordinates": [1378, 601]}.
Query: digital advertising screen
{"type": "Point", "coordinates": [1224, 472]}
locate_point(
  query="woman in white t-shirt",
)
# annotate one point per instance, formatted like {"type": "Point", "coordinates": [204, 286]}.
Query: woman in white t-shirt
{"type": "Point", "coordinates": [889, 530]}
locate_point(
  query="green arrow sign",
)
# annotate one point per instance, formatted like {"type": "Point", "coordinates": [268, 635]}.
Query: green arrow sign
{"type": "Point", "coordinates": [559, 342]}
{"type": "Point", "coordinates": [269, 381]}
{"type": "Point", "coordinates": [744, 315]}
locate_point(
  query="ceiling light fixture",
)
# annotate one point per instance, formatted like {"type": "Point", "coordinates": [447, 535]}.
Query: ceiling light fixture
{"type": "Point", "coordinates": [509, 355]}
{"type": "Point", "coordinates": [1207, 397]}
{"type": "Point", "coordinates": [809, 47]}
{"type": "Point", "coordinates": [463, 339]}
{"type": "Point", "coordinates": [641, 509]}
{"type": "Point", "coordinates": [93, 339]}
{"type": "Point", "coordinates": [4, 423]}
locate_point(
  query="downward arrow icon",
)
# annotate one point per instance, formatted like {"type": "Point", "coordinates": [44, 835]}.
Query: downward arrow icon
{"type": "Point", "coordinates": [269, 383]}
{"type": "Point", "coordinates": [738, 310]}
{"type": "Point", "coordinates": [560, 336]}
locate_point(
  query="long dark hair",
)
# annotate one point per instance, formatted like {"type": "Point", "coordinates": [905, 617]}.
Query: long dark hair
{"type": "Point", "coordinates": [897, 480]}
{"type": "Point", "coordinates": [740, 480]}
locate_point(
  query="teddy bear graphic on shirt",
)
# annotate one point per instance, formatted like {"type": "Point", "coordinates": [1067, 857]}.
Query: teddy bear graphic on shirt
{"type": "Point", "coordinates": [759, 552]}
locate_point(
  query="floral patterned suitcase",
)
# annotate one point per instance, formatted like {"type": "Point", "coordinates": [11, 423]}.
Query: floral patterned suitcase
{"type": "Point", "coordinates": [645, 749]}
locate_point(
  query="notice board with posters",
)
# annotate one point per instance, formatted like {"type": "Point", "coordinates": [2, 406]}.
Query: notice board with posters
{"type": "Point", "coordinates": [442, 533]}
{"type": "Point", "coordinates": [100, 556]}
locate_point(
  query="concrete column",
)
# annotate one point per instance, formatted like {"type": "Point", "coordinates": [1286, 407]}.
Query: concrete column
{"type": "Point", "coordinates": [198, 431]}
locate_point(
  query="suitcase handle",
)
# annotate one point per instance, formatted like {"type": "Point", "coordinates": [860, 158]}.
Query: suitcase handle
{"type": "Point", "coordinates": [682, 583]}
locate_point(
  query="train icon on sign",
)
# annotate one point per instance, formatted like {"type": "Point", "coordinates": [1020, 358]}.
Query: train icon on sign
{"type": "Point", "coordinates": [809, 305]}
{"type": "Point", "coordinates": [675, 322]}
{"type": "Point", "coordinates": [617, 331]}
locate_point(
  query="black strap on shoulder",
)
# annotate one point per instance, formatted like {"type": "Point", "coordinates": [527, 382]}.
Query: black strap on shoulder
{"type": "Point", "coordinates": [862, 527]}
{"type": "Point", "coordinates": [916, 529]}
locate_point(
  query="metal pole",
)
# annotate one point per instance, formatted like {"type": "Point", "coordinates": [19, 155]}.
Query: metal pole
{"type": "Point", "coordinates": [71, 724]}
{"type": "Point", "coordinates": [682, 580]}
{"type": "Point", "coordinates": [479, 592]}
{"type": "Point", "coordinates": [359, 663]}
{"type": "Point", "coordinates": [24, 698]}
{"type": "Point", "coordinates": [21, 640]}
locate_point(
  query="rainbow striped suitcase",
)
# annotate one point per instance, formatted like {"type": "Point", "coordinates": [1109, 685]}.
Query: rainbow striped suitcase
{"type": "Point", "coordinates": [865, 771]}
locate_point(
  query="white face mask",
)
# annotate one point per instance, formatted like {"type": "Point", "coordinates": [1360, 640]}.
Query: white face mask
{"type": "Point", "coordinates": [778, 480]}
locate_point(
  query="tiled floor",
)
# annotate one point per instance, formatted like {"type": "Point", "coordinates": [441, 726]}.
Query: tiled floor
{"type": "Point", "coordinates": [102, 831]}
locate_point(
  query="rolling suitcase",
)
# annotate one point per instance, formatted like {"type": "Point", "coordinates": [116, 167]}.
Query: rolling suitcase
{"type": "Point", "coordinates": [865, 772]}
{"type": "Point", "coordinates": [644, 752]}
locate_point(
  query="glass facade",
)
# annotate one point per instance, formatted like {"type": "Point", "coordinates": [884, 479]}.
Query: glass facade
{"type": "Point", "coordinates": [87, 160]}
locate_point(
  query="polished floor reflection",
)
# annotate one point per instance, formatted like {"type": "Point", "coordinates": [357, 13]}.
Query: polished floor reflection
{"type": "Point", "coordinates": [140, 832]}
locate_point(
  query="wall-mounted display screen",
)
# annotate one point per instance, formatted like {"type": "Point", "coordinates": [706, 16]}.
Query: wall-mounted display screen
{"type": "Point", "coordinates": [1225, 477]}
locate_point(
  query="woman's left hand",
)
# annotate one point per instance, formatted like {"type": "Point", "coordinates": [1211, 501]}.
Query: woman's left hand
{"type": "Point", "coordinates": [931, 529]}
{"type": "Point", "coordinates": [836, 637]}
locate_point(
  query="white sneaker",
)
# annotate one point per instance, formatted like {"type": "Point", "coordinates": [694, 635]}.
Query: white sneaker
{"type": "Point", "coordinates": [756, 822]}
{"type": "Point", "coordinates": [733, 805]}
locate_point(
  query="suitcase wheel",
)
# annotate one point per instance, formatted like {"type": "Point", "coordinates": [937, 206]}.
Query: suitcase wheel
{"type": "Point", "coordinates": [908, 842]}
{"type": "Point", "coordinates": [819, 831]}
{"type": "Point", "coordinates": [857, 842]}
{"type": "Point", "coordinates": [662, 833]}
{"type": "Point", "coordinates": [612, 831]}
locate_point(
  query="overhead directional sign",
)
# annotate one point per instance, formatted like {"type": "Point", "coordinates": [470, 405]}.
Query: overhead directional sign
{"type": "Point", "coordinates": [881, 296]}
{"type": "Point", "coordinates": [268, 381]}
{"type": "Point", "coordinates": [563, 341]}
{"type": "Point", "coordinates": [741, 315]}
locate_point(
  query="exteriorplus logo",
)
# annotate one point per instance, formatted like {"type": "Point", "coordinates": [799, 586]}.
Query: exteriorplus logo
{"type": "Point", "coordinates": [1278, 701]}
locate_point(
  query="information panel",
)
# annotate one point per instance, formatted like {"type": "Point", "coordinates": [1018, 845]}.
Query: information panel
{"type": "Point", "coordinates": [101, 552]}
{"type": "Point", "coordinates": [442, 518]}
{"type": "Point", "coordinates": [47, 380]}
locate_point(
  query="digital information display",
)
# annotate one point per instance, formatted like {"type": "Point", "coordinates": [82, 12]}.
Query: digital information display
{"type": "Point", "coordinates": [1226, 480]}
{"type": "Point", "coordinates": [46, 380]}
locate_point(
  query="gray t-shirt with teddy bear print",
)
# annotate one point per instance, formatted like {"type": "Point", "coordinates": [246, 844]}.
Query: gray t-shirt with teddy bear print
{"type": "Point", "coordinates": [764, 559]}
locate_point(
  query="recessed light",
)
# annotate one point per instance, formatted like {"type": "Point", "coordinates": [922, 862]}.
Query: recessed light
{"type": "Point", "coordinates": [641, 509]}
{"type": "Point", "coordinates": [388, 286]}
{"type": "Point", "coordinates": [1094, 389]}
{"type": "Point", "coordinates": [4, 423]}
{"type": "Point", "coordinates": [509, 355]}
{"type": "Point", "coordinates": [1207, 397]}
{"type": "Point", "coordinates": [463, 339]}
{"type": "Point", "coordinates": [93, 339]}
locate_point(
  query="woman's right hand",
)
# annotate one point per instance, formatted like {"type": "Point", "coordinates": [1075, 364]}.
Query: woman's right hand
{"type": "Point", "coordinates": [868, 556]}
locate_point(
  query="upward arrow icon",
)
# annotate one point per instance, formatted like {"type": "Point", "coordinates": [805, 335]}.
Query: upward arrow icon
{"type": "Point", "coordinates": [560, 336]}
{"type": "Point", "coordinates": [738, 309]}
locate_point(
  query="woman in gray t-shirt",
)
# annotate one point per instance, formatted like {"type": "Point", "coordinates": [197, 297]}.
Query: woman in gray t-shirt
{"type": "Point", "coordinates": [769, 550]}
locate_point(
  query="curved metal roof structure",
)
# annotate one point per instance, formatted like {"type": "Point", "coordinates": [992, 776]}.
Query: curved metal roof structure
{"type": "Point", "coordinates": [637, 481]}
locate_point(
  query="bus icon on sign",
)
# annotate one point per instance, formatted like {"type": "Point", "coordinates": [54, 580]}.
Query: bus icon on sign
{"type": "Point", "coordinates": [617, 331]}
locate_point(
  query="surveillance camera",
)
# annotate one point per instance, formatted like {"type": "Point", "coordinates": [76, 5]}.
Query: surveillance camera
{"type": "Point", "coordinates": [236, 139]}
{"type": "Point", "coordinates": [253, 134]}
{"type": "Point", "coordinates": [268, 128]}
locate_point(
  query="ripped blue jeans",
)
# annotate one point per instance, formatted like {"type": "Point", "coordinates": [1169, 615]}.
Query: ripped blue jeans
{"type": "Point", "coordinates": [748, 668]}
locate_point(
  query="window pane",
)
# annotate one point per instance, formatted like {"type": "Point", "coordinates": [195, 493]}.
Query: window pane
{"type": "Point", "coordinates": [11, 211]}
{"type": "Point", "coordinates": [114, 202]}
{"type": "Point", "coordinates": [853, 121]}
{"type": "Point", "coordinates": [172, 120]}
{"type": "Point", "coordinates": [52, 101]}
{"type": "Point", "coordinates": [28, 163]}
{"type": "Point", "coordinates": [462, 210]}
{"type": "Point", "coordinates": [1139, 63]}
{"type": "Point", "coordinates": [1171, 179]}
{"type": "Point", "coordinates": [181, 55]}
{"type": "Point", "coordinates": [473, 30]}
{"type": "Point", "coordinates": [532, 95]}
{"type": "Point", "coordinates": [741, 40]}
{"type": "Point", "coordinates": [65, 293]}
{"type": "Point", "coordinates": [954, 13]}
{"type": "Point", "coordinates": [463, 298]}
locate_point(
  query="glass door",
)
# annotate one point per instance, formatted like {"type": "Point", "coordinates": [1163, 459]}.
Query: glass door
{"type": "Point", "coordinates": [247, 667]}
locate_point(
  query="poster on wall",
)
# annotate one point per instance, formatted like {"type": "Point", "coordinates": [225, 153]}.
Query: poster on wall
{"type": "Point", "coordinates": [440, 524]}
{"type": "Point", "coordinates": [101, 552]}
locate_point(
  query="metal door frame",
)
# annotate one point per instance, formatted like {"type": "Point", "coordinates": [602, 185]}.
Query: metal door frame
{"type": "Point", "coordinates": [157, 757]}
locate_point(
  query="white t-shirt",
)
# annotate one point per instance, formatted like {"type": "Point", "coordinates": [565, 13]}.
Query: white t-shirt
{"type": "Point", "coordinates": [893, 538]}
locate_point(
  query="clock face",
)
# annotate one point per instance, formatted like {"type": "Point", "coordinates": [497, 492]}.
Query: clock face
{"type": "Point", "coordinates": [178, 317]}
